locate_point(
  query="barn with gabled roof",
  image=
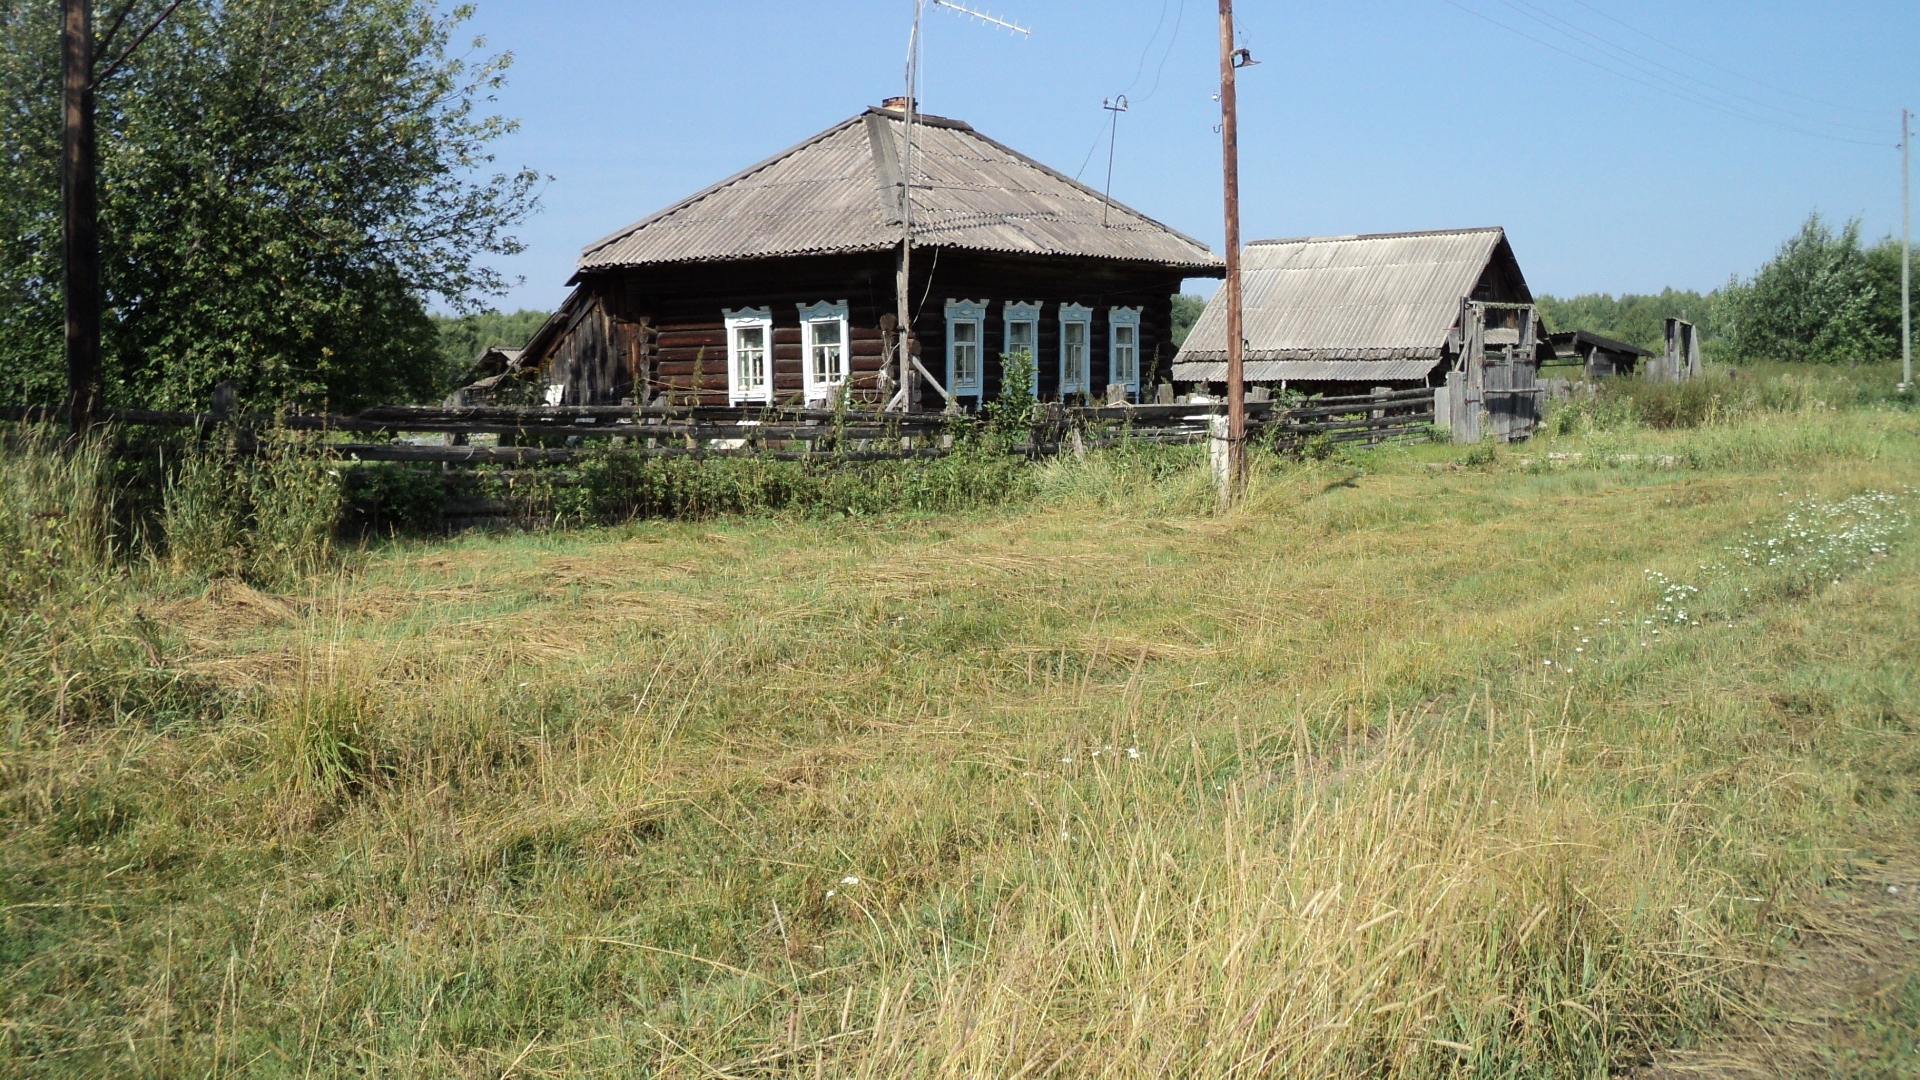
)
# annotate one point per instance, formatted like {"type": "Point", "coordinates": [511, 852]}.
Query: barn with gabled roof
{"type": "Point", "coordinates": [1339, 313]}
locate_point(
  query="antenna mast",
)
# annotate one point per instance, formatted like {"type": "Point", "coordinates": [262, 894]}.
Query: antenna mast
{"type": "Point", "coordinates": [902, 274]}
{"type": "Point", "coordinates": [910, 111]}
{"type": "Point", "coordinates": [1116, 106]}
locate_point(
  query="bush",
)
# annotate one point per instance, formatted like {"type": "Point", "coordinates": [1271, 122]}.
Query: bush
{"type": "Point", "coordinates": [267, 516]}
{"type": "Point", "coordinates": [616, 486]}
{"type": "Point", "coordinates": [390, 497]}
{"type": "Point", "coordinates": [1822, 299]}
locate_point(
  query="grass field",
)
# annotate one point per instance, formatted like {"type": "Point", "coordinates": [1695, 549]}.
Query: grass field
{"type": "Point", "coordinates": [1424, 761]}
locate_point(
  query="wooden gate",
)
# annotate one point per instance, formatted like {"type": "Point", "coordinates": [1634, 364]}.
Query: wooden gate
{"type": "Point", "coordinates": [1494, 390]}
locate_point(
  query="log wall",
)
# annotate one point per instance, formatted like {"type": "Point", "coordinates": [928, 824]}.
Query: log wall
{"type": "Point", "coordinates": [657, 333]}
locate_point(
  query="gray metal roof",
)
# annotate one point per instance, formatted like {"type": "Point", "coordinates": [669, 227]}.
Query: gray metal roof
{"type": "Point", "coordinates": [839, 192]}
{"type": "Point", "coordinates": [1266, 371]}
{"type": "Point", "coordinates": [1391, 296]}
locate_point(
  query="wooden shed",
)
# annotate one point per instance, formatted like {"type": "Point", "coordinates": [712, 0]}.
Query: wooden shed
{"type": "Point", "coordinates": [1598, 355]}
{"type": "Point", "coordinates": [779, 285]}
{"type": "Point", "coordinates": [1344, 314]}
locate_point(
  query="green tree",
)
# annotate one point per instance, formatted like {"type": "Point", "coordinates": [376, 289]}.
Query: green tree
{"type": "Point", "coordinates": [284, 184]}
{"type": "Point", "coordinates": [1638, 319]}
{"type": "Point", "coordinates": [1186, 311]}
{"type": "Point", "coordinates": [462, 337]}
{"type": "Point", "coordinates": [1821, 299]}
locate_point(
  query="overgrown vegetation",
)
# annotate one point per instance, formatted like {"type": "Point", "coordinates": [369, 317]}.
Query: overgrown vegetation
{"type": "Point", "coordinates": [1823, 298]}
{"type": "Point", "coordinates": [463, 337]}
{"type": "Point", "coordinates": [282, 185]}
{"type": "Point", "coordinates": [1640, 319]}
{"type": "Point", "coordinates": [1395, 771]}
{"type": "Point", "coordinates": [615, 487]}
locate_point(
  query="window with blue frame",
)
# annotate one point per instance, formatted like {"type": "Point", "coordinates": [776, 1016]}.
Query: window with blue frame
{"type": "Point", "coordinates": [966, 321]}
{"type": "Point", "coordinates": [1123, 348]}
{"type": "Point", "coordinates": [1076, 341]}
{"type": "Point", "coordinates": [1022, 322]}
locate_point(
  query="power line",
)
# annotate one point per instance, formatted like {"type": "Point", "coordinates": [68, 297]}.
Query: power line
{"type": "Point", "coordinates": [1141, 66]}
{"type": "Point", "coordinates": [1728, 70]}
{"type": "Point", "coordinates": [1683, 96]}
{"type": "Point", "coordinates": [1627, 56]}
{"type": "Point", "coordinates": [1178, 14]}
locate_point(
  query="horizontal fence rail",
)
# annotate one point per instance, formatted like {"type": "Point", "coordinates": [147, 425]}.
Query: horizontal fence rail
{"type": "Point", "coordinates": [516, 435]}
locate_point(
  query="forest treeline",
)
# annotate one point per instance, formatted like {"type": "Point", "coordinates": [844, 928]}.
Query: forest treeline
{"type": "Point", "coordinates": [1825, 297]}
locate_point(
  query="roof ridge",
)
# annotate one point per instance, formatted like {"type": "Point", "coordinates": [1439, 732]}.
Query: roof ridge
{"type": "Point", "coordinates": [1381, 236]}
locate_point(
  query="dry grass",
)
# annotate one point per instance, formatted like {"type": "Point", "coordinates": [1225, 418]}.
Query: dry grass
{"type": "Point", "coordinates": [1122, 788]}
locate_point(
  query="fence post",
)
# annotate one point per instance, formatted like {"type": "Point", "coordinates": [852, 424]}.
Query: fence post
{"type": "Point", "coordinates": [1218, 457]}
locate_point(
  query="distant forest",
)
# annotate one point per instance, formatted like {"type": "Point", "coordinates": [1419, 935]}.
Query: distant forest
{"type": "Point", "coordinates": [1823, 298]}
{"type": "Point", "coordinates": [1638, 319]}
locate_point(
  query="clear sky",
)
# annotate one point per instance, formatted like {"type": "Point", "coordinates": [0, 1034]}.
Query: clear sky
{"type": "Point", "coordinates": [1626, 145]}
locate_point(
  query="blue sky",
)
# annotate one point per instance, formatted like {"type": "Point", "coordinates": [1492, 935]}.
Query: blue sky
{"type": "Point", "coordinates": [1629, 145]}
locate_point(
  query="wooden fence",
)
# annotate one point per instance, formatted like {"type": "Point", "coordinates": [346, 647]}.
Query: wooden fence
{"type": "Point", "coordinates": [530, 441]}
{"type": "Point", "coordinates": [507, 435]}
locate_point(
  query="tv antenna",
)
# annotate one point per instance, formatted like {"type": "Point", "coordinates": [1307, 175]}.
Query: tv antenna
{"type": "Point", "coordinates": [1116, 106]}
{"type": "Point", "coordinates": [985, 19]}
{"type": "Point", "coordinates": [910, 111]}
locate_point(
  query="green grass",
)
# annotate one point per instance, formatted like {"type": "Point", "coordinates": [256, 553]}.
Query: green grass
{"type": "Point", "coordinates": [1098, 782]}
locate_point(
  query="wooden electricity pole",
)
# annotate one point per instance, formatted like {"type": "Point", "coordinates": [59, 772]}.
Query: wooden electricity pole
{"type": "Point", "coordinates": [1230, 168]}
{"type": "Point", "coordinates": [79, 225]}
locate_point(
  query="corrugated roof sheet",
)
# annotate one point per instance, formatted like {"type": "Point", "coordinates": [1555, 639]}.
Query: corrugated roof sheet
{"type": "Point", "coordinates": [1393, 296]}
{"type": "Point", "coordinates": [839, 192]}
{"type": "Point", "coordinates": [1264, 371]}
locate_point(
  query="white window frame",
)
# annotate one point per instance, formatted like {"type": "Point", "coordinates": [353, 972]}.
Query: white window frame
{"type": "Point", "coordinates": [824, 313]}
{"type": "Point", "coordinates": [969, 313]}
{"type": "Point", "coordinates": [1118, 317]}
{"type": "Point", "coordinates": [739, 319]}
{"type": "Point", "coordinates": [1071, 314]}
{"type": "Point", "coordinates": [1022, 312]}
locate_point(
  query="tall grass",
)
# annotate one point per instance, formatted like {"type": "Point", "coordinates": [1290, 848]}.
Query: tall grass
{"type": "Point", "coordinates": [1103, 783]}
{"type": "Point", "coordinates": [72, 651]}
{"type": "Point", "coordinates": [264, 512]}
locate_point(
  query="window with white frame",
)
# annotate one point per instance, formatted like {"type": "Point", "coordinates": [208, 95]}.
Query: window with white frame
{"type": "Point", "coordinates": [1123, 348]}
{"type": "Point", "coordinates": [965, 322]}
{"type": "Point", "coordinates": [1023, 336]}
{"type": "Point", "coordinates": [824, 348]}
{"type": "Point", "coordinates": [1076, 334]}
{"type": "Point", "coordinates": [749, 354]}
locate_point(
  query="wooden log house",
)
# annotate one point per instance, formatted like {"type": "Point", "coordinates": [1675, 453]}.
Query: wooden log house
{"type": "Point", "coordinates": [777, 285]}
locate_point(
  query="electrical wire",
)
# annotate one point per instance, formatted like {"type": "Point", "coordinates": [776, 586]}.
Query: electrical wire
{"type": "Point", "coordinates": [1683, 96]}
{"type": "Point", "coordinates": [1179, 14]}
{"type": "Point", "coordinates": [1728, 70]}
{"type": "Point", "coordinates": [1627, 56]}
{"type": "Point", "coordinates": [1147, 49]}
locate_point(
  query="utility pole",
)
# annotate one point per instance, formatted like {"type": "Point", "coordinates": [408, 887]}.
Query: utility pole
{"type": "Point", "coordinates": [80, 230]}
{"type": "Point", "coordinates": [1906, 254]}
{"type": "Point", "coordinates": [1230, 168]}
